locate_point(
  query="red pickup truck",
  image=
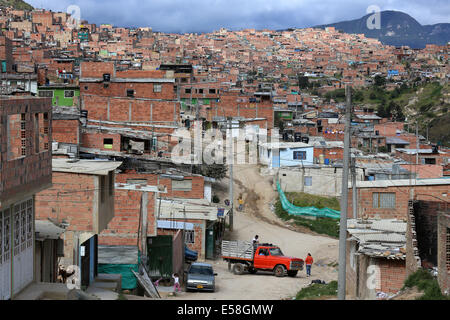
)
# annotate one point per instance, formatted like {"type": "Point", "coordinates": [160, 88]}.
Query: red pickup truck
{"type": "Point", "coordinates": [244, 256]}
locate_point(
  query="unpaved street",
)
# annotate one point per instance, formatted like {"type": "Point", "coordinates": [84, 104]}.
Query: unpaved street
{"type": "Point", "coordinates": [257, 218]}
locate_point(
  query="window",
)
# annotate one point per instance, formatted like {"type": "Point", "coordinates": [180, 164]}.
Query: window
{"type": "Point", "coordinates": [189, 236]}
{"type": "Point", "coordinates": [46, 94]}
{"type": "Point", "coordinates": [69, 94]}
{"type": "Point", "coordinates": [183, 185]}
{"type": "Point", "coordinates": [430, 160]}
{"type": "Point", "coordinates": [108, 143]}
{"type": "Point", "coordinates": [308, 181]}
{"type": "Point", "coordinates": [157, 88]}
{"type": "Point", "coordinates": [212, 91]}
{"type": "Point", "coordinates": [187, 90]}
{"type": "Point", "coordinates": [299, 155]}
{"type": "Point", "coordinates": [383, 200]}
{"type": "Point", "coordinates": [130, 93]}
{"type": "Point", "coordinates": [200, 91]}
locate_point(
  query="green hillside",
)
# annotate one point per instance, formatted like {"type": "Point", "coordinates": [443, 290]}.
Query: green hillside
{"type": "Point", "coordinates": [16, 4]}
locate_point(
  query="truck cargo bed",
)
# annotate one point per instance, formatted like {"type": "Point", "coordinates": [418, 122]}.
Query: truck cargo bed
{"type": "Point", "coordinates": [242, 250]}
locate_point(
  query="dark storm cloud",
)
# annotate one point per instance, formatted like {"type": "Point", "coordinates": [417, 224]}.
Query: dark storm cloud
{"type": "Point", "coordinates": [205, 16]}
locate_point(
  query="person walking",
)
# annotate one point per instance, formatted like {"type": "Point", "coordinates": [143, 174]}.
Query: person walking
{"type": "Point", "coordinates": [176, 283]}
{"type": "Point", "coordinates": [241, 203]}
{"type": "Point", "coordinates": [308, 262]}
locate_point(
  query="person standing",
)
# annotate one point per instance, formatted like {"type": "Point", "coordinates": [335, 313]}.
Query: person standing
{"type": "Point", "coordinates": [308, 262]}
{"type": "Point", "coordinates": [241, 203]}
{"type": "Point", "coordinates": [176, 283]}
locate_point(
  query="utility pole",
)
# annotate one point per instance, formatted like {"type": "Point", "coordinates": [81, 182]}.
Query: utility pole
{"type": "Point", "coordinates": [354, 191]}
{"type": "Point", "coordinates": [230, 160]}
{"type": "Point", "coordinates": [344, 201]}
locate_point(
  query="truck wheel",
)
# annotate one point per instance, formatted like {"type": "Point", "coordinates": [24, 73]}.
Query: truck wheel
{"type": "Point", "coordinates": [252, 270]}
{"type": "Point", "coordinates": [238, 268]}
{"type": "Point", "coordinates": [292, 274]}
{"type": "Point", "coordinates": [279, 271]}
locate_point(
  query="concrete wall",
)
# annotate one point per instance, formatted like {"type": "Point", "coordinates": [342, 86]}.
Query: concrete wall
{"type": "Point", "coordinates": [326, 181]}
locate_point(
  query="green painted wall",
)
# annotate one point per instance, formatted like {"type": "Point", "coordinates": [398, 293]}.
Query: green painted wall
{"type": "Point", "coordinates": [59, 99]}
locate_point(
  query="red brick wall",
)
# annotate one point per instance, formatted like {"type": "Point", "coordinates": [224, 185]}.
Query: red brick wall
{"type": "Point", "coordinates": [119, 109]}
{"type": "Point", "coordinates": [32, 171]}
{"type": "Point", "coordinates": [95, 141]}
{"type": "Point", "coordinates": [393, 275]}
{"type": "Point", "coordinates": [66, 131]}
{"type": "Point", "coordinates": [365, 200]}
{"type": "Point", "coordinates": [123, 228]}
{"type": "Point", "coordinates": [329, 153]}
{"type": "Point", "coordinates": [70, 198]}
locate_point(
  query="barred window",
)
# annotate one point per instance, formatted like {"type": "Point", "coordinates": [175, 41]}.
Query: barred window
{"type": "Point", "coordinates": [189, 236]}
{"type": "Point", "coordinates": [69, 94]}
{"type": "Point", "coordinates": [157, 88]}
{"type": "Point", "coordinates": [383, 200]}
{"type": "Point", "coordinates": [46, 94]}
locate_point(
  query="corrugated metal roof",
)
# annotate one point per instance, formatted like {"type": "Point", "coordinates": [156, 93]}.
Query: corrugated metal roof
{"type": "Point", "coordinates": [117, 254]}
{"type": "Point", "coordinates": [84, 166]}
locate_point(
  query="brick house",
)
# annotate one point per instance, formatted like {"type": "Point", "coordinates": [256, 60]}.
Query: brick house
{"type": "Point", "coordinates": [82, 200]}
{"type": "Point", "coordinates": [375, 257]}
{"type": "Point", "coordinates": [25, 170]}
{"type": "Point", "coordinates": [388, 199]}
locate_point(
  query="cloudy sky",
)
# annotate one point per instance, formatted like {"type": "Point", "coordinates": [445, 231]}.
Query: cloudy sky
{"type": "Point", "coordinates": [208, 15]}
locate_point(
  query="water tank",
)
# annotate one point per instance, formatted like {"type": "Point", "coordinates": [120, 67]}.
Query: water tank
{"type": "Point", "coordinates": [327, 161]}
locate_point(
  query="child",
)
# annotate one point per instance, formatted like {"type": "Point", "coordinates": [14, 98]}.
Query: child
{"type": "Point", "coordinates": [176, 283]}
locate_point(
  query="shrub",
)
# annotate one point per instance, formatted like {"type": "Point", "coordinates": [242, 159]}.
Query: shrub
{"type": "Point", "coordinates": [318, 290]}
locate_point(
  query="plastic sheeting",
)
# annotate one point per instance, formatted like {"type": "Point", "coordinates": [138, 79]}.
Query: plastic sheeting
{"type": "Point", "coordinates": [306, 211]}
{"type": "Point", "coordinates": [129, 281]}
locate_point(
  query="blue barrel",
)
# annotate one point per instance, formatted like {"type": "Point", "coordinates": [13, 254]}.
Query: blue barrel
{"type": "Point", "coordinates": [327, 161]}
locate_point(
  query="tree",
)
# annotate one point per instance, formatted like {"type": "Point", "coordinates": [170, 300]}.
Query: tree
{"type": "Point", "coordinates": [380, 81]}
{"type": "Point", "coordinates": [303, 82]}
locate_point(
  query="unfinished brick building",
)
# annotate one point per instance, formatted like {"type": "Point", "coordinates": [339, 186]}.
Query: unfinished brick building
{"type": "Point", "coordinates": [118, 102]}
{"type": "Point", "coordinates": [25, 169]}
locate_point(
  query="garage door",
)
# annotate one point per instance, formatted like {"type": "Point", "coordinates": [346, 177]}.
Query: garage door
{"type": "Point", "coordinates": [5, 254]}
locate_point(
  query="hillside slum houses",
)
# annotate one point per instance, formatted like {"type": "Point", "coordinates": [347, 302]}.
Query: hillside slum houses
{"type": "Point", "coordinates": [88, 118]}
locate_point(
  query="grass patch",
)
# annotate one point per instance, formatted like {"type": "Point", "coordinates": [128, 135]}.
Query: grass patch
{"type": "Point", "coordinates": [301, 199]}
{"type": "Point", "coordinates": [325, 226]}
{"type": "Point", "coordinates": [318, 290]}
{"type": "Point", "coordinates": [425, 282]}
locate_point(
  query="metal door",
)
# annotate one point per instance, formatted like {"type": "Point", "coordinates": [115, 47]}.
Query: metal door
{"type": "Point", "coordinates": [5, 254]}
{"type": "Point", "coordinates": [159, 252]}
{"type": "Point", "coordinates": [22, 245]}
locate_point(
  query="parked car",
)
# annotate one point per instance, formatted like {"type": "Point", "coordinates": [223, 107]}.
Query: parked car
{"type": "Point", "coordinates": [244, 256]}
{"type": "Point", "coordinates": [201, 277]}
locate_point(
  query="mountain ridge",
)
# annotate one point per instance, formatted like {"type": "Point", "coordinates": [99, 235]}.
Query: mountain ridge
{"type": "Point", "coordinates": [397, 29]}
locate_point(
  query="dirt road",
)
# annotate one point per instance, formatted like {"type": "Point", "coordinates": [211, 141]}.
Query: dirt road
{"type": "Point", "coordinates": [257, 218]}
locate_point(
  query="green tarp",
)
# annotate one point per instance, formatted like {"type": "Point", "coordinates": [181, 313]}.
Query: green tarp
{"type": "Point", "coordinates": [129, 281]}
{"type": "Point", "coordinates": [306, 211]}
